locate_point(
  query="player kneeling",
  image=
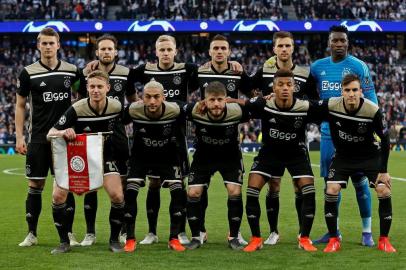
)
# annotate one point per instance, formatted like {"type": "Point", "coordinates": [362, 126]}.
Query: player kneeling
{"type": "Point", "coordinates": [94, 114]}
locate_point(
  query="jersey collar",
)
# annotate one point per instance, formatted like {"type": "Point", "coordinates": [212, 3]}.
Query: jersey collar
{"type": "Point", "coordinates": [224, 71]}
{"type": "Point", "coordinates": [94, 111]}
{"type": "Point", "coordinates": [277, 67]}
{"type": "Point", "coordinates": [286, 109]}
{"type": "Point", "coordinates": [161, 69]}
{"type": "Point", "coordinates": [48, 68]}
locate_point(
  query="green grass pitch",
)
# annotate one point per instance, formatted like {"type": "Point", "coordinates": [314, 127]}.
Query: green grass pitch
{"type": "Point", "coordinates": [213, 255]}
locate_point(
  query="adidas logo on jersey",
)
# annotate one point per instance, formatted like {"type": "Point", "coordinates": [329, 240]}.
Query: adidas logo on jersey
{"type": "Point", "coordinates": [205, 85]}
{"type": "Point", "coordinates": [143, 130]}
{"type": "Point", "coordinates": [323, 73]}
{"type": "Point", "coordinates": [272, 120]}
{"type": "Point", "coordinates": [338, 124]}
{"type": "Point", "coordinates": [43, 84]}
{"type": "Point", "coordinates": [87, 129]}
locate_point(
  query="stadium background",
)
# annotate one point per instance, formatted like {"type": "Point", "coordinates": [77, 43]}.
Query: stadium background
{"type": "Point", "coordinates": [383, 50]}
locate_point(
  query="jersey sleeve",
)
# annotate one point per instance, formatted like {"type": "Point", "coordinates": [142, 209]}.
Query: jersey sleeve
{"type": "Point", "coordinates": [310, 88]}
{"type": "Point", "coordinates": [82, 91]}
{"type": "Point", "coordinates": [255, 106]}
{"type": "Point", "coordinates": [126, 117]}
{"type": "Point", "coordinates": [318, 111]}
{"type": "Point", "coordinates": [246, 115]}
{"type": "Point", "coordinates": [130, 84]}
{"type": "Point", "coordinates": [381, 129]}
{"type": "Point", "coordinates": [67, 120]}
{"type": "Point", "coordinates": [192, 77]}
{"type": "Point", "coordinates": [137, 74]}
{"type": "Point", "coordinates": [23, 83]}
{"type": "Point", "coordinates": [256, 80]}
{"type": "Point", "coordinates": [246, 85]}
{"type": "Point", "coordinates": [367, 85]}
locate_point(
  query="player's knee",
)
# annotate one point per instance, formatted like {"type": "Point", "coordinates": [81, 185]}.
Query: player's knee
{"type": "Point", "coordinates": [59, 196]}
{"type": "Point", "coordinates": [275, 185]}
{"type": "Point", "coordinates": [333, 189]}
{"type": "Point", "coordinates": [233, 190]}
{"type": "Point", "coordinates": [195, 192]}
{"type": "Point", "coordinates": [116, 197]}
{"type": "Point", "coordinates": [383, 191]}
{"type": "Point", "coordinates": [37, 183]}
{"type": "Point", "coordinates": [154, 183]}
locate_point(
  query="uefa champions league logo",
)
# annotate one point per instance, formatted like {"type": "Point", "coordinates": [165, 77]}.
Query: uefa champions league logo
{"type": "Point", "coordinates": [240, 26]}
{"type": "Point", "coordinates": [374, 26]}
{"type": "Point", "coordinates": [60, 26]}
{"type": "Point", "coordinates": [136, 27]}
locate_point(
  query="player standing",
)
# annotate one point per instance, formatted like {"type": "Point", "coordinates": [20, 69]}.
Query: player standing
{"type": "Point", "coordinates": [46, 84]}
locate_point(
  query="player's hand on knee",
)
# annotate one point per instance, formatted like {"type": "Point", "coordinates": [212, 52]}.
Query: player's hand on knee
{"type": "Point", "coordinates": [69, 134]}
{"type": "Point", "coordinates": [385, 179]}
{"type": "Point", "coordinates": [21, 146]}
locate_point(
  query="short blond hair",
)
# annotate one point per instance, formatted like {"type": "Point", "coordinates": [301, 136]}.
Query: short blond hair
{"type": "Point", "coordinates": [163, 38]}
{"type": "Point", "coordinates": [48, 31]}
{"type": "Point", "coordinates": [154, 84]}
{"type": "Point", "coordinates": [99, 74]}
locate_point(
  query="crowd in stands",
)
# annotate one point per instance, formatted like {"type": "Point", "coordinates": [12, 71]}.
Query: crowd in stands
{"type": "Point", "coordinates": [350, 9]}
{"type": "Point", "coordinates": [53, 9]}
{"type": "Point", "coordinates": [201, 9]}
{"type": "Point", "coordinates": [194, 9]}
{"type": "Point", "coordinates": [385, 64]}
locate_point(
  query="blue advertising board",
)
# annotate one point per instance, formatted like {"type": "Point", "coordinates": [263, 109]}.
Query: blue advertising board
{"type": "Point", "coordinates": [199, 26]}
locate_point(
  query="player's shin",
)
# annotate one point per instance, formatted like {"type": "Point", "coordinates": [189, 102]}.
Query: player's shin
{"type": "Point", "coordinates": [116, 220]}
{"type": "Point", "coordinates": [235, 212]}
{"type": "Point", "coordinates": [204, 203]}
{"type": "Point", "coordinates": [175, 210]}
{"type": "Point", "coordinates": [59, 215]}
{"type": "Point", "coordinates": [153, 204]}
{"type": "Point", "coordinates": [130, 209]}
{"type": "Point", "coordinates": [272, 210]}
{"type": "Point", "coordinates": [193, 215]}
{"type": "Point", "coordinates": [308, 209]}
{"type": "Point", "coordinates": [330, 213]}
{"type": "Point", "coordinates": [363, 194]}
{"type": "Point", "coordinates": [298, 206]}
{"type": "Point", "coordinates": [253, 210]}
{"type": "Point", "coordinates": [33, 206]}
{"type": "Point", "coordinates": [70, 211]}
{"type": "Point", "coordinates": [385, 214]}
{"type": "Point", "coordinates": [90, 209]}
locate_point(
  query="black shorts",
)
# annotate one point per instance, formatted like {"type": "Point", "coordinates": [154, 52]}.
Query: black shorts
{"type": "Point", "coordinates": [122, 166]}
{"type": "Point", "coordinates": [342, 168]}
{"type": "Point", "coordinates": [110, 167]}
{"type": "Point", "coordinates": [202, 169]}
{"type": "Point", "coordinates": [138, 171]}
{"type": "Point", "coordinates": [38, 161]}
{"type": "Point", "coordinates": [272, 164]}
{"type": "Point", "coordinates": [183, 154]}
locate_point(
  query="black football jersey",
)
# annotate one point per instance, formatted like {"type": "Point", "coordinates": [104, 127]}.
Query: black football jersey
{"type": "Point", "coordinates": [353, 132]}
{"type": "Point", "coordinates": [305, 85]}
{"type": "Point", "coordinates": [177, 81]}
{"type": "Point", "coordinates": [154, 140]}
{"type": "Point", "coordinates": [121, 84]}
{"type": "Point", "coordinates": [49, 95]}
{"type": "Point", "coordinates": [282, 129]}
{"type": "Point", "coordinates": [84, 119]}
{"type": "Point", "coordinates": [233, 82]}
{"type": "Point", "coordinates": [221, 136]}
